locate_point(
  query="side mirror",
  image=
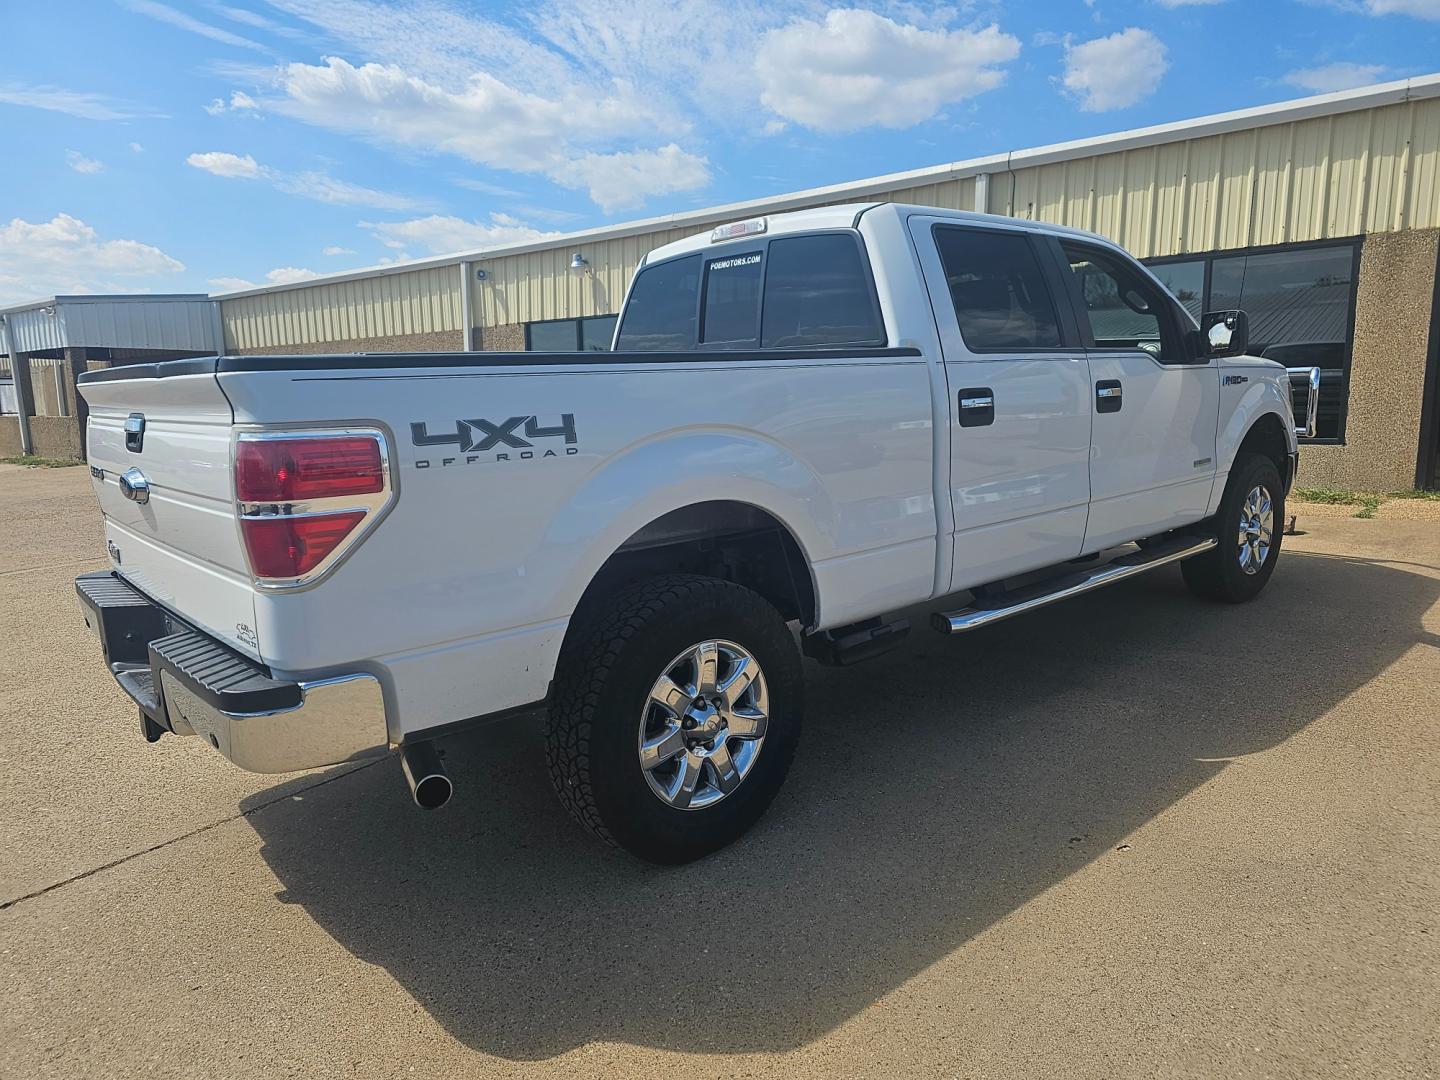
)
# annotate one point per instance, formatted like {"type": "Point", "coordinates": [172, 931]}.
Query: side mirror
{"type": "Point", "coordinates": [1227, 333]}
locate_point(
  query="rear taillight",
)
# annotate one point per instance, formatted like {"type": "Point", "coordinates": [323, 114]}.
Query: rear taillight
{"type": "Point", "coordinates": [303, 499]}
{"type": "Point", "coordinates": [301, 469]}
{"type": "Point", "coordinates": [291, 547]}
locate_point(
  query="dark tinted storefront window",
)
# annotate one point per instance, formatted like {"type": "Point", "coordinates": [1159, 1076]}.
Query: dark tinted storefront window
{"type": "Point", "coordinates": [1186, 282]}
{"type": "Point", "coordinates": [1301, 303]}
{"type": "Point", "coordinates": [590, 334]}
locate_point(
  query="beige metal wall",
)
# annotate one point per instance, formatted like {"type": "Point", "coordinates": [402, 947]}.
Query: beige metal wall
{"type": "Point", "coordinates": [398, 305]}
{"type": "Point", "coordinates": [1377, 170]}
{"type": "Point", "coordinates": [1374, 170]}
{"type": "Point", "coordinates": [540, 285]}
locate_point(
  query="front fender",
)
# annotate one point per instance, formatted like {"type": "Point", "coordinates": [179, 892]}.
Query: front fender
{"type": "Point", "coordinates": [1241, 406]}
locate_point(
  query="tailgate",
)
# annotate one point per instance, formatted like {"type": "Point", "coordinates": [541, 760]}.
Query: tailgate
{"type": "Point", "coordinates": [181, 546]}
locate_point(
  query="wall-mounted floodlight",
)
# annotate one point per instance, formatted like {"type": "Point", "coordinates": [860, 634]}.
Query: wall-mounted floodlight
{"type": "Point", "coordinates": [578, 261]}
{"type": "Point", "coordinates": [481, 275]}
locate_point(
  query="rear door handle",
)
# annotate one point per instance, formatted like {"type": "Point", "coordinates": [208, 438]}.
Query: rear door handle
{"type": "Point", "coordinates": [977, 406]}
{"type": "Point", "coordinates": [1109, 395]}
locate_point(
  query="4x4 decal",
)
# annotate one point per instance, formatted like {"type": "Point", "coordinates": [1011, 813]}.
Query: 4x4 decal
{"type": "Point", "coordinates": [476, 437]}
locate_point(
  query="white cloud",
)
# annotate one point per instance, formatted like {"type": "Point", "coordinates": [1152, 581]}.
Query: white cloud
{"type": "Point", "coordinates": [307, 185]}
{"type": "Point", "coordinates": [166, 14]}
{"type": "Point", "coordinates": [82, 164]}
{"type": "Point", "coordinates": [224, 164]}
{"type": "Point", "coordinates": [287, 275]}
{"type": "Point", "coordinates": [79, 103]}
{"type": "Point", "coordinates": [1114, 72]}
{"type": "Point", "coordinates": [230, 284]}
{"type": "Point", "coordinates": [859, 69]}
{"type": "Point", "coordinates": [1420, 9]}
{"type": "Point", "coordinates": [1338, 76]}
{"type": "Point", "coordinates": [65, 255]}
{"type": "Point", "coordinates": [441, 235]}
{"type": "Point", "coordinates": [136, 148]}
{"type": "Point", "coordinates": [492, 123]}
{"type": "Point", "coordinates": [336, 249]}
{"type": "Point", "coordinates": [281, 275]}
{"type": "Point", "coordinates": [239, 102]}
{"type": "Point", "coordinates": [622, 180]}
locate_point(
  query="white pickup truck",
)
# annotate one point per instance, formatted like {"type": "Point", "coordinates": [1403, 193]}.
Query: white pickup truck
{"type": "Point", "coordinates": [820, 419]}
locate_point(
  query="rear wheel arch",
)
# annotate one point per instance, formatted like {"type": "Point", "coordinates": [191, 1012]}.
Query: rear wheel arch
{"type": "Point", "coordinates": [727, 539]}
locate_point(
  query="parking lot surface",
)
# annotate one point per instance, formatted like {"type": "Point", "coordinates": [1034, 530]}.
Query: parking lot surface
{"type": "Point", "coordinates": [1130, 835]}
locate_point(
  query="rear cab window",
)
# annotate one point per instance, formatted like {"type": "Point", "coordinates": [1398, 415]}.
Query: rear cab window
{"type": "Point", "coordinates": [812, 290]}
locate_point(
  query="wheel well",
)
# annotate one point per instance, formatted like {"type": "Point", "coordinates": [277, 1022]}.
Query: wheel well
{"type": "Point", "coordinates": [724, 539]}
{"type": "Point", "coordinates": [1267, 436]}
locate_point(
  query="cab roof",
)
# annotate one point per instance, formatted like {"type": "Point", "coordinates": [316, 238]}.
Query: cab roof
{"type": "Point", "coordinates": [843, 216]}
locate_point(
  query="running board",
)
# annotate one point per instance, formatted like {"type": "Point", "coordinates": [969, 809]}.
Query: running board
{"type": "Point", "coordinates": [1003, 605]}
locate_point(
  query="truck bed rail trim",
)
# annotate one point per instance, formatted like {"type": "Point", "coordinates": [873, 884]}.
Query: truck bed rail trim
{"type": "Point", "coordinates": [220, 365]}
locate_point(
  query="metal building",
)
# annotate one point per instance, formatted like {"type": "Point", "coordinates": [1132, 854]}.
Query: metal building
{"type": "Point", "coordinates": [1319, 216]}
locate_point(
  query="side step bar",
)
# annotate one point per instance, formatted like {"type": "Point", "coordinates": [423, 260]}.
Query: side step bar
{"type": "Point", "coordinates": [993, 609]}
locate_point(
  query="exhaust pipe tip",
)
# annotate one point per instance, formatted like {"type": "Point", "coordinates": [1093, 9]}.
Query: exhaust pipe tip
{"type": "Point", "coordinates": [430, 786]}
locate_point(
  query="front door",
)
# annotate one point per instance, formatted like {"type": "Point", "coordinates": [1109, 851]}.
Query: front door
{"type": "Point", "coordinates": [1018, 388]}
{"type": "Point", "coordinates": [1155, 405]}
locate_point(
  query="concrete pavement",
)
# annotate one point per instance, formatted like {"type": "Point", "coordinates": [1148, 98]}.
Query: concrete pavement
{"type": "Point", "coordinates": [1130, 835]}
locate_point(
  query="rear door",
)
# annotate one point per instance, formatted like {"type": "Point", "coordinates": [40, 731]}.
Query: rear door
{"type": "Point", "coordinates": [178, 543]}
{"type": "Point", "coordinates": [1018, 386]}
{"type": "Point", "coordinates": [1155, 404]}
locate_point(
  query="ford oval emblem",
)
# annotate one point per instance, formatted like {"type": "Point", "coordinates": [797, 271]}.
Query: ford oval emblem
{"type": "Point", "coordinates": [134, 486]}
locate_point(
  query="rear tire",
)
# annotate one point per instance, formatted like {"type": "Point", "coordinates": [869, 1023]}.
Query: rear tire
{"type": "Point", "coordinates": [675, 716]}
{"type": "Point", "coordinates": [1249, 526]}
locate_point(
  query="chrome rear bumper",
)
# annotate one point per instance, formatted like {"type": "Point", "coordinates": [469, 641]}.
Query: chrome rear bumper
{"type": "Point", "coordinates": [186, 682]}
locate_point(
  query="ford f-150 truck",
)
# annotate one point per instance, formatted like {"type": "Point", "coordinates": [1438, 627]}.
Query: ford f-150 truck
{"type": "Point", "coordinates": [809, 423]}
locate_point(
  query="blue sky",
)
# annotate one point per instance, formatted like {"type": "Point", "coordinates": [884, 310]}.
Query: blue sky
{"type": "Point", "coordinates": [200, 145]}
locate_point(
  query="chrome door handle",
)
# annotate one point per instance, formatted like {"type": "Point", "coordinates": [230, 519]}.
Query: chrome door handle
{"type": "Point", "coordinates": [977, 406]}
{"type": "Point", "coordinates": [1109, 396]}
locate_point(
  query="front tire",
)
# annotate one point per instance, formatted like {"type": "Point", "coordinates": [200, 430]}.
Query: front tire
{"type": "Point", "coordinates": [1248, 526]}
{"type": "Point", "coordinates": [675, 716]}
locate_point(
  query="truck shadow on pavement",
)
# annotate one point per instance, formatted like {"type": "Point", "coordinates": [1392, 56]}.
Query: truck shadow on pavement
{"type": "Point", "coordinates": [937, 789]}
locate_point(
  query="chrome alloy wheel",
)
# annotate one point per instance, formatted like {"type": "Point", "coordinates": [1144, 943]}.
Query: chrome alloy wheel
{"type": "Point", "coordinates": [1257, 521]}
{"type": "Point", "coordinates": [703, 725]}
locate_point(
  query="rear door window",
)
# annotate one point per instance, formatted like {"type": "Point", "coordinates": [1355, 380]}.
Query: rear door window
{"type": "Point", "coordinates": [732, 299]}
{"type": "Point", "coordinates": [660, 313]}
{"type": "Point", "coordinates": [1001, 298]}
{"type": "Point", "coordinates": [818, 292]}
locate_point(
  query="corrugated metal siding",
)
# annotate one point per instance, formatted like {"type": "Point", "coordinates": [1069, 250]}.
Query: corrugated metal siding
{"type": "Point", "coordinates": [1372, 170]}
{"type": "Point", "coordinates": [1375, 170]}
{"type": "Point", "coordinates": [390, 305]}
{"type": "Point", "coordinates": [176, 325]}
{"type": "Point", "coordinates": [540, 285]}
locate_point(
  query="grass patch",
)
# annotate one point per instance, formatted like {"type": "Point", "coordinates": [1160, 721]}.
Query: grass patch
{"type": "Point", "coordinates": [40, 462]}
{"type": "Point", "coordinates": [1367, 501]}
{"type": "Point", "coordinates": [1426, 496]}
{"type": "Point", "coordinates": [1368, 506]}
{"type": "Point", "coordinates": [1333, 496]}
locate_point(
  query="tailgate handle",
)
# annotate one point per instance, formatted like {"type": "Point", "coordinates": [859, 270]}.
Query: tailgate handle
{"type": "Point", "coordinates": [135, 432]}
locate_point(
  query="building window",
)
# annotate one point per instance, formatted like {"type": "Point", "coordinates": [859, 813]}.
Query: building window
{"type": "Point", "coordinates": [571, 335]}
{"type": "Point", "coordinates": [1301, 303]}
